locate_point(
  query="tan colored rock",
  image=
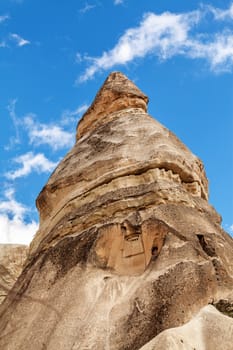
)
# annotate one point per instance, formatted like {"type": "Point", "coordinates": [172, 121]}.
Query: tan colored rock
{"type": "Point", "coordinates": [12, 258]}
{"type": "Point", "coordinates": [117, 93]}
{"type": "Point", "coordinates": [128, 248]}
{"type": "Point", "coordinates": [128, 245]}
{"type": "Point", "coordinates": [208, 330]}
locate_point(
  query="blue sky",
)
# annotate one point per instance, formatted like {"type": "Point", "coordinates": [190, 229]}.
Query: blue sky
{"type": "Point", "coordinates": [54, 56]}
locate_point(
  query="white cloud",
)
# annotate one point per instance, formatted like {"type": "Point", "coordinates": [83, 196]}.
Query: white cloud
{"type": "Point", "coordinates": [218, 52]}
{"type": "Point", "coordinates": [164, 36]}
{"type": "Point", "coordinates": [10, 206]}
{"type": "Point", "coordinates": [31, 162]}
{"type": "Point", "coordinates": [69, 116]}
{"type": "Point", "coordinates": [79, 57]}
{"type": "Point", "coordinates": [16, 231]}
{"type": "Point", "coordinates": [3, 18]}
{"type": "Point", "coordinates": [81, 109]}
{"type": "Point", "coordinates": [19, 40]}
{"type": "Point", "coordinates": [53, 135]}
{"type": "Point", "coordinates": [13, 227]}
{"type": "Point", "coordinates": [220, 14]}
{"type": "Point", "coordinates": [47, 134]}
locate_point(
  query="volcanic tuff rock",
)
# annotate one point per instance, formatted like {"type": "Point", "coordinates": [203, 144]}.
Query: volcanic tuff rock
{"type": "Point", "coordinates": [12, 258]}
{"type": "Point", "coordinates": [208, 330]}
{"type": "Point", "coordinates": [128, 245]}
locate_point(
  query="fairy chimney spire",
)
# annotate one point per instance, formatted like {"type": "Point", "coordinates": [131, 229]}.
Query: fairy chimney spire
{"type": "Point", "coordinates": [117, 93]}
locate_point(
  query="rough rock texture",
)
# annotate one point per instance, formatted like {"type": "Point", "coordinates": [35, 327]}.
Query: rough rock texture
{"type": "Point", "coordinates": [116, 94]}
{"type": "Point", "coordinates": [12, 258]}
{"type": "Point", "coordinates": [128, 245]}
{"type": "Point", "coordinates": [208, 330]}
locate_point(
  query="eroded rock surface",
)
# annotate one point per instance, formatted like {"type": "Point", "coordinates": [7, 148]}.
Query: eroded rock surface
{"type": "Point", "coordinates": [128, 245]}
{"type": "Point", "coordinates": [117, 93]}
{"type": "Point", "coordinates": [209, 329]}
{"type": "Point", "coordinates": [12, 258]}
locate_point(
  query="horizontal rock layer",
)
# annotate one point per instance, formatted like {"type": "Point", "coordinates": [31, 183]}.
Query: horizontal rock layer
{"type": "Point", "coordinates": [115, 165]}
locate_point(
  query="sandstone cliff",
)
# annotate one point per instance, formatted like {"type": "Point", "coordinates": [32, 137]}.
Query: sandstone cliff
{"type": "Point", "coordinates": [12, 258]}
{"type": "Point", "coordinates": [128, 245]}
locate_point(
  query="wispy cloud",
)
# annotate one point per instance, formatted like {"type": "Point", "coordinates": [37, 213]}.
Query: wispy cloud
{"type": "Point", "coordinates": [13, 37]}
{"type": "Point", "coordinates": [30, 162]}
{"type": "Point", "coordinates": [19, 40]}
{"type": "Point", "coordinates": [48, 134]}
{"type": "Point", "coordinates": [79, 57]}
{"type": "Point", "coordinates": [72, 116]}
{"type": "Point", "coordinates": [13, 227]}
{"type": "Point", "coordinates": [166, 35]}
{"type": "Point", "coordinates": [218, 52]}
{"type": "Point", "coordinates": [228, 228]}
{"type": "Point", "coordinates": [87, 7]}
{"type": "Point", "coordinates": [60, 135]}
{"type": "Point", "coordinates": [118, 2]}
{"type": "Point", "coordinates": [220, 14]}
{"type": "Point", "coordinates": [11, 206]}
{"type": "Point", "coordinates": [16, 123]}
{"type": "Point", "coordinates": [3, 18]}
{"type": "Point", "coordinates": [162, 35]}
{"type": "Point", "coordinates": [12, 113]}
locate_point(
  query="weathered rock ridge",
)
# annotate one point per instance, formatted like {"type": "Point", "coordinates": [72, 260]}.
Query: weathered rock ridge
{"type": "Point", "coordinates": [128, 245]}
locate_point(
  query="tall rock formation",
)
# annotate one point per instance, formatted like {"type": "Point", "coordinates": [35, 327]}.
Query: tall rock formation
{"type": "Point", "coordinates": [128, 245]}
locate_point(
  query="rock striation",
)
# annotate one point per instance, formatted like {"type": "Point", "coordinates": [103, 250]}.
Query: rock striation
{"type": "Point", "coordinates": [12, 258]}
{"type": "Point", "coordinates": [128, 245]}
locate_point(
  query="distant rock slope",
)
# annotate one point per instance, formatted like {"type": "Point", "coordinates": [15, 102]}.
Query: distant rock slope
{"type": "Point", "coordinates": [12, 258]}
{"type": "Point", "coordinates": [128, 245]}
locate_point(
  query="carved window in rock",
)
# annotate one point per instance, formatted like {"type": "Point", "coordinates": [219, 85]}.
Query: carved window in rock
{"type": "Point", "coordinates": [132, 243]}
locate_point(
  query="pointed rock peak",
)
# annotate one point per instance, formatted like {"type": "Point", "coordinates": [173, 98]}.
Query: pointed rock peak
{"type": "Point", "coordinates": [117, 93]}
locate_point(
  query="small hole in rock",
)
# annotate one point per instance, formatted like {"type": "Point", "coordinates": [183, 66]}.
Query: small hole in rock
{"type": "Point", "coordinates": [106, 278]}
{"type": "Point", "coordinates": [123, 228]}
{"type": "Point", "coordinates": [154, 251]}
